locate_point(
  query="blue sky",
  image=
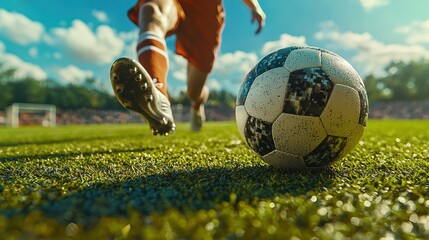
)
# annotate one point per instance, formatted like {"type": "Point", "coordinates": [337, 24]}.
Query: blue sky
{"type": "Point", "coordinates": [68, 41]}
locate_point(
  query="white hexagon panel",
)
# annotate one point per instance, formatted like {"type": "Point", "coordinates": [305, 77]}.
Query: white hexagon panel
{"type": "Point", "coordinates": [303, 58]}
{"type": "Point", "coordinates": [342, 113]}
{"type": "Point", "coordinates": [352, 140]}
{"type": "Point", "coordinates": [241, 119]}
{"type": "Point", "coordinates": [298, 135]}
{"type": "Point", "coordinates": [266, 95]}
{"type": "Point", "coordinates": [340, 71]}
{"type": "Point", "coordinates": [284, 160]}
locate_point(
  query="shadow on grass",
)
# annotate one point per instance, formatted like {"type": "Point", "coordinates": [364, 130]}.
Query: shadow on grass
{"type": "Point", "coordinates": [82, 138]}
{"type": "Point", "coordinates": [46, 142]}
{"type": "Point", "coordinates": [185, 190]}
{"type": "Point", "coordinates": [65, 156]}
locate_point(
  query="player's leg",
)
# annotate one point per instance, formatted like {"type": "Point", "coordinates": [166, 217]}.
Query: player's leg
{"type": "Point", "coordinates": [142, 87]}
{"type": "Point", "coordinates": [156, 18]}
{"type": "Point", "coordinates": [198, 93]}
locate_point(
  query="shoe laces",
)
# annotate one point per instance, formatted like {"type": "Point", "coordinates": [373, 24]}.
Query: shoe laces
{"type": "Point", "coordinates": [156, 83]}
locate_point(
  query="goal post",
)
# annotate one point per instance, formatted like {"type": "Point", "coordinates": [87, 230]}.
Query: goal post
{"type": "Point", "coordinates": [13, 113]}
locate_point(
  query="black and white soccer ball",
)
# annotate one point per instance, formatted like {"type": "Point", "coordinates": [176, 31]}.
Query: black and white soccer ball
{"type": "Point", "coordinates": [302, 107]}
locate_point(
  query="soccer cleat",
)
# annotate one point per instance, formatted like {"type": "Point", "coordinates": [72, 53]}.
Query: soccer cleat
{"type": "Point", "coordinates": [137, 91]}
{"type": "Point", "coordinates": [199, 116]}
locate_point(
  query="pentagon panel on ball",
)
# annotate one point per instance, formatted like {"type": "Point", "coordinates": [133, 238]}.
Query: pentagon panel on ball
{"type": "Point", "coordinates": [364, 106]}
{"type": "Point", "coordinates": [308, 91]}
{"type": "Point", "coordinates": [302, 107]}
{"type": "Point", "coordinates": [326, 153]}
{"type": "Point", "coordinates": [258, 135]}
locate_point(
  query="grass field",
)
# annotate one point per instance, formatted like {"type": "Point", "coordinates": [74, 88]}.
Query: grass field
{"type": "Point", "coordinates": [119, 182]}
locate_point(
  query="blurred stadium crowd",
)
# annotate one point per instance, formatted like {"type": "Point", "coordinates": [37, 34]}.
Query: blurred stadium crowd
{"type": "Point", "coordinates": [400, 110]}
{"type": "Point", "coordinates": [93, 116]}
{"type": "Point", "coordinates": [378, 110]}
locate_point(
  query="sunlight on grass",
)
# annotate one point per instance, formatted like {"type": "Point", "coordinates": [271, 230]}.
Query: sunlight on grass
{"type": "Point", "coordinates": [118, 181]}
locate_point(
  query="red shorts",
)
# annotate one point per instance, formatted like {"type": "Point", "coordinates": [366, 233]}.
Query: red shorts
{"type": "Point", "coordinates": [198, 32]}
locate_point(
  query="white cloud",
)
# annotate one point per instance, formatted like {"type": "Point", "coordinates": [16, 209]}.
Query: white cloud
{"type": "Point", "coordinates": [238, 62]}
{"type": "Point", "coordinates": [19, 28]}
{"type": "Point", "coordinates": [371, 4]}
{"type": "Point", "coordinates": [230, 70]}
{"type": "Point", "coordinates": [228, 73]}
{"type": "Point", "coordinates": [33, 52]}
{"type": "Point", "coordinates": [130, 36]}
{"type": "Point", "coordinates": [79, 41]}
{"type": "Point", "coordinates": [100, 15]}
{"type": "Point", "coordinates": [416, 33]}
{"type": "Point", "coordinates": [130, 43]}
{"type": "Point", "coordinates": [177, 66]}
{"type": "Point", "coordinates": [214, 84]}
{"type": "Point", "coordinates": [23, 69]}
{"type": "Point", "coordinates": [370, 54]}
{"type": "Point", "coordinates": [57, 55]}
{"type": "Point", "coordinates": [285, 40]}
{"type": "Point", "coordinates": [73, 74]}
{"type": "Point", "coordinates": [180, 75]}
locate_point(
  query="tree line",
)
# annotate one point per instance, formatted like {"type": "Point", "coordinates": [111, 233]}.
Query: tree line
{"type": "Point", "coordinates": [402, 81]}
{"type": "Point", "coordinates": [29, 90]}
{"type": "Point", "coordinates": [90, 94]}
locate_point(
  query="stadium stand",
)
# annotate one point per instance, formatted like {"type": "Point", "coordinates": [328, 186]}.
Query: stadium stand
{"type": "Point", "coordinates": [378, 110]}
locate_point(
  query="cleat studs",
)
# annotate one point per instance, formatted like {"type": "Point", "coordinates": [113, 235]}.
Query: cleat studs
{"type": "Point", "coordinates": [164, 121]}
{"type": "Point", "coordinates": [149, 98]}
{"type": "Point", "coordinates": [133, 70]}
{"type": "Point", "coordinates": [115, 77]}
{"type": "Point", "coordinates": [139, 78]}
{"type": "Point", "coordinates": [119, 88]}
{"type": "Point", "coordinates": [127, 103]}
{"type": "Point", "coordinates": [143, 86]}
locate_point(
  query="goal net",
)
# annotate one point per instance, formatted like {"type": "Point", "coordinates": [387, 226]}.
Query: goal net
{"type": "Point", "coordinates": [31, 114]}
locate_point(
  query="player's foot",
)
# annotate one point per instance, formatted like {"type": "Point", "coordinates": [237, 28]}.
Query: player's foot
{"type": "Point", "coordinates": [137, 91]}
{"type": "Point", "coordinates": [199, 116]}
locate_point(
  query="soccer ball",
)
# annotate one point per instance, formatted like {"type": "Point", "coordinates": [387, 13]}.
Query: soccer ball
{"type": "Point", "coordinates": [302, 107]}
